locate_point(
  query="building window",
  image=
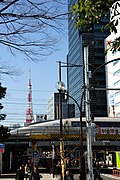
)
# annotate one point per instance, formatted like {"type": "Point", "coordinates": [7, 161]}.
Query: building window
{"type": "Point", "coordinates": [117, 72]}
{"type": "Point", "coordinates": [117, 114]}
{"type": "Point", "coordinates": [117, 83]}
{"type": "Point", "coordinates": [115, 62]}
{"type": "Point", "coordinates": [117, 104]}
{"type": "Point", "coordinates": [117, 93]}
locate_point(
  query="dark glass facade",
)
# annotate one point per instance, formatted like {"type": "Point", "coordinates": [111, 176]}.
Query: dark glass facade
{"type": "Point", "coordinates": [53, 108]}
{"type": "Point", "coordinates": [75, 75]}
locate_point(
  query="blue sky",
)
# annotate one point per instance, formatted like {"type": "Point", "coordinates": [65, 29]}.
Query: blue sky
{"type": "Point", "coordinates": [44, 76]}
{"type": "Point", "coordinates": [44, 72]}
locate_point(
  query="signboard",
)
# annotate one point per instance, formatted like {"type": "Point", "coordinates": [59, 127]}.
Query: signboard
{"type": "Point", "coordinates": [2, 148]}
{"type": "Point", "coordinates": [118, 159]}
{"type": "Point", "coordinates": [35, 154]}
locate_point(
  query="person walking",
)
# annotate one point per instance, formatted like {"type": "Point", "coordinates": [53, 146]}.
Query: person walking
{"type": "Point", "coordinates": [20, 173]}
{"type": "Point", "coordinates": [97, 174]}
{"type": "Point", "coordinates": [26, 171]}
{"type": "Point", "coordinates": [35, 174]}
{"type": "Point", "coordinates": [68, 176]}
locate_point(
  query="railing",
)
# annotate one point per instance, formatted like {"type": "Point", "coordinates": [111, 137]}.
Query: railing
{"type": "Point", "coordinates": [116, 172]}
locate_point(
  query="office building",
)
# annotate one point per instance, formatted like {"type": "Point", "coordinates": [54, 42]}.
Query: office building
{"type": "Point", "coordinates": [53, 108]}
{"type": "Point", "coordinates": [113, 70]}
{"type": "Point", "coordinates": [94, 39]}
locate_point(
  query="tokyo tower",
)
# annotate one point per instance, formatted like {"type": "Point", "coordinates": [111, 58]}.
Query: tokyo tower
{"type": "Point", "coordinates": [29, 111]}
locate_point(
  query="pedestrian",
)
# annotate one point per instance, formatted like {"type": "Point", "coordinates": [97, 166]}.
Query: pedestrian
{"type": "Point", "coordinates": [20, 173]}
{"type": "Point", "coordinates": [97, 174]}
{"type": "Point", "coordinates": [29, 165]}
{"type": "Point", "coordinates": [68, 176]}
{"type": "Point", "coordinates": [35, 174]}
{"type": "Point", "coordinates": [26, 171]}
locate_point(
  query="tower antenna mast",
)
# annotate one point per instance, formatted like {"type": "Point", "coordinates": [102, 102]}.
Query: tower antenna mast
{"type": "Point", "coordinates": [29, 111]}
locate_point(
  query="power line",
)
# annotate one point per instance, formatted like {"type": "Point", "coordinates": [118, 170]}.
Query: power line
{"type": "Point", "coordinates": [22, 103]}
{"type": "Point", "coordinates": [21, 99]}
{"type": "Point", "coordinates": [42, 91]}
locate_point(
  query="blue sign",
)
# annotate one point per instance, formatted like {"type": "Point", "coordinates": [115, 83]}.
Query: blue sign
{"type": "Point", "coordinates": [2, 146]}
{"type": "Point", "coordinates": [35, 154]}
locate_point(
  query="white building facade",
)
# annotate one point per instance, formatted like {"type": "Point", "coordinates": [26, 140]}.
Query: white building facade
{"type": "Point", "coordinates": [113, 71]}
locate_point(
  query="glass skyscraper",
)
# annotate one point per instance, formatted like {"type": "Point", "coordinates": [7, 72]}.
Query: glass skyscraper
{"type": "Point", "coordinates": [94, 39]}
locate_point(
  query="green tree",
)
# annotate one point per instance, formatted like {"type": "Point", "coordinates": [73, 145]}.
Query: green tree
{"type": "Point", "coordinates": [88, 12]}
{"type": "Point", "coordinates": [4, 133]}
{"type": "Point", "coordinates": [2, 95]}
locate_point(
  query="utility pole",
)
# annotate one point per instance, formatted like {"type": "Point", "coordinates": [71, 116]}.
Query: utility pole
{"type": "Point", "coordinates": [88, 118]}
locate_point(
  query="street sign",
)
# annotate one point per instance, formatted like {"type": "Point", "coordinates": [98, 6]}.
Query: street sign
{"type": "Point", "coordinates": [2, 145]}
{"type": "Point", "coordinates": [35, 154]}
{"type": "Point", "coordinates": [2, 148]}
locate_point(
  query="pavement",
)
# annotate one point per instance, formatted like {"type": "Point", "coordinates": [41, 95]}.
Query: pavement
{"type": "Point", "coordinates": [44, 177]}
{"type": "Point", "coordinates": [109, 177]}
{"type": "Point", "coordinates": [50, 177]}
{"type": "Point", "coordinates": [12, 177]}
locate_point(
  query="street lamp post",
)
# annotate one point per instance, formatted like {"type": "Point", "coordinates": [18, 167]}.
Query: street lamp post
{"type": "Point", "coordinates": [61, 88]}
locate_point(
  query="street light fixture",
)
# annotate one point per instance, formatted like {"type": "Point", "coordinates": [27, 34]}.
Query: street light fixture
{"type": "Point", "coordinates": [60, 86]}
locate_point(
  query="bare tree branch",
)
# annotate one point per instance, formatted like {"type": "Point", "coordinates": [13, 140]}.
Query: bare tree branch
{"type": "Point", "coordinates": [32, 27]}
{"type": "Point", "coordinates": [9, 70]}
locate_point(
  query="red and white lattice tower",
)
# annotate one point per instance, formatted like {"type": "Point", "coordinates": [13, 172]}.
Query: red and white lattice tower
{"type": "Point", "coordinates": [29, 111]}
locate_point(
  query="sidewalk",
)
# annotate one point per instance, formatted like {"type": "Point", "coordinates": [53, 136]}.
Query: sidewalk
{"type": "Point", "coordinates": [44, 177]}
{"type": "Point", "coordinates": [50, 177]}
{"type": "Point", "coordinates": [109, 177]}
{"type": "Point", "coordinates": [76, 177]}
{"type": "Point", "coordinates": [12, 176]}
